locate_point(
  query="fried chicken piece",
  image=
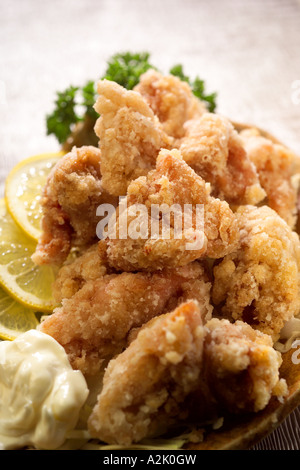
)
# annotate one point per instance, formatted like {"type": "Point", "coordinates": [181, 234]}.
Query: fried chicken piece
{"type": "Point", "coordinates": [275, 165]}
{"type": "Point", "coordinates": [212, 230]}
{"type": "Point", "coordinates": [213, 148]}
{"type": "Point", "coordinates": [94, 323]}
{"type": "Point", "coordinates": [259, 282]}
{"type": "Point", "coordinates": [89, 266]}
{"type": "Point", "coordinates": [130, 136]}
{"type": "Point", "coordinates": [241, 367]}
{"type": "Point", "coordinates": [70, 198]}
{"type": "Point", "coordinates": [171, 100]}
{"type": "Point", "coordinates": [145, 386]}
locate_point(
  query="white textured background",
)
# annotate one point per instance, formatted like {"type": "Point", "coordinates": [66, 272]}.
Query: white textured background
{"type": "Point", "coordinates": [248, 51]}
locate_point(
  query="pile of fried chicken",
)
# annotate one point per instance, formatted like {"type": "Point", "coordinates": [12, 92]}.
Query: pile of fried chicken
{"type": "Point", "coordinates": [181, 335]}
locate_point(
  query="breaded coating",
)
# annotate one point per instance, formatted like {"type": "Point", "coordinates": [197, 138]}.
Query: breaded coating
{"type": "Point", "coordinates": [130, 136]}
{"type": "Point", "coordinates": [241, 368]}
{"type": "Point", "coordinates": [275, 165]}
{"type": "Point", "coordinates": [171, 100]}
{"type": "Point", "coordinates": [94, 323]}
{"type": "Point", "coordinates": [213, 148]}
{"type": "Point", "coordinates": [89, 266]}
{"type": "Point", "coordinates": [212, 230]}
{"type": "Point", "coordinates": [259, 283]}
{"type": "Point", "coordinates": [70, 198]}
{"type": "Point", "coordinates": [145, 386]}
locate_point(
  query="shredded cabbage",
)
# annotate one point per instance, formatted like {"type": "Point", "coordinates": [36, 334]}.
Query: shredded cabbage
{"type": "Point", "coordinates": [80, 439]}
{"type": "Point", "coordinates": [149, 444]}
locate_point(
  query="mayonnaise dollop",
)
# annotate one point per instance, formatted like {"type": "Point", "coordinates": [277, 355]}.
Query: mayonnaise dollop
{"type": "Point", "coordinates": [40, 394]}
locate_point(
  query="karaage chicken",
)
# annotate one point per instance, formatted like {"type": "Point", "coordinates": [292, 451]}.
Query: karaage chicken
{"type": "Point", "coordinates": [211, 232]}
{"type": "Point", "coordinates": [171, 100]}
{"type": "Point", "coordinates": [196, 273]}
{"type": "Point", "coordinates": [93, 324]}
{"type": "Point", "coordinates": [145, 386]}
{"type": "Point", "coordinates": [176, 370]}
{"type": "Point", "coordinates": [71, 277]}
{"type": "Point", "coordinates": [276, 166]}
{"type": "Point", "coordinates": [259, 283]}
{"type": "Point", "coordinates": [130, 136]}
{"type": "Point", "coordinates": [213, 148]}
{"type": "Point", "coordinates": [70, 199]}
{"type": "Point", "coordinates": [240, 366]}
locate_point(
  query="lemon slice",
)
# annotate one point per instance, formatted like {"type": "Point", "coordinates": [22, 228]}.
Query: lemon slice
{"type": "Point", "coordinates": [15, 319]}
{"type": "Point", "coordinates": [27, 283]}
{"type": "Point", "coordinates": [23, 191]}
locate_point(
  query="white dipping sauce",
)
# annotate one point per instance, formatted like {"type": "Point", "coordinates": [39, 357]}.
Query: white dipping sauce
{"type": "Point", "coordinates": [40, 394]}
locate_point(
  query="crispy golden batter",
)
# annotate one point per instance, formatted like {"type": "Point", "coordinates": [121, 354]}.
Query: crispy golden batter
{"type": "Point", "coordinates": [174, 369]}
{"type": "Point", "coordinates": [137, 306]}
{"type": "Point", "coordinates": [241, 368]}
{"type": "Point", "coordinates": [259, 282]}
{"type": "Point", "coordinates": [275, 165]}
{"type": "Point", "coordinates": [145, 386]}
{"type": "Point", "coordinates": [130, 136]}
{"type": "Point", "coordinates": [94, 323]}
{"type": "Point", "coordinates": [213, 148]}
{"type": "Point", "coordinates": [70, 198]}
{"type": "Point", "coordinates": [89, 266]}
{"type": "Point", "coordinates": [173, 183]}
{"type": "Point", "coordinates": [171, 100]}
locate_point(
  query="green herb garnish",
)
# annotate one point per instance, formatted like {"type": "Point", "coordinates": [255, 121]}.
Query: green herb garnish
{"type": "Point", "coordinates": [64, 116]}
{"type": "Point", "coordinates": [89, 98]}
{"type": "Point", "coordinates": [127, 68]}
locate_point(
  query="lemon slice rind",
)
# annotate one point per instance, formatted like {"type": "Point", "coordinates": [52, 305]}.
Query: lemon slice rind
{"type": "Point", "coordinates": [15, 319]}
{"type": "Point", "coordinates": [27, 283]}
{"type": "Point", "coordinates": [23, 191]}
